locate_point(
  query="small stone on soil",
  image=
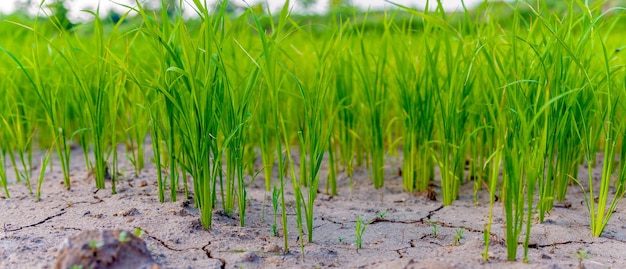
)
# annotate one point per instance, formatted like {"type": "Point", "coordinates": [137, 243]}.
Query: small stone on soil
{"type": "Point", "coordinates": [273, 248]}
{"type": "Point", "coordinates": [129, 212]}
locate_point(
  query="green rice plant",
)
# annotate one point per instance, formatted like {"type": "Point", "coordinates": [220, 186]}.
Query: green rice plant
{"type": "Point", "coordinates": [344, 99]}
{"type": "Point", "coordinates": [85, 85]}
{"type": "Point", "coordinates": [359, 229]}
{"type": "Point", "coordinates": [331, 181]}
{"type": "Point", "coordinates": [271, 112]}
{"type": "Point", "coordinates": [494, 132]}
{"type": "Point", "coordinates": [417, 104]}
{"type": "Point", "coordinates": [522, 168]}
{"type": "Point", "coordinates": [435, 227]}
{"type": "Point", "coordinates": [519, 101]}
{"type": "Point", "coordinates": [49, 101]}
{"type": "Point", "coordinates": [302, 151]}
{"type": "Point", "coordinates": [160, 32]}
{"type": "Point", "coordinates": [268, 156]}
{"type": "Point", "coordinates": [131, 99]}
{"type": "Point", "coordinates": [194, 82]}
{"type": "Point", "coordinates": [458, 236]}
{"type": "Point", "coordinates": [604, 101]}
{"type": "Point", "coordinates": [169, 128]}
{"type": "Point", "coordinates": [267, 142]}
{"type": "Point", "coordinates": [19, 148]}
{"type": "Point", "coordinates": [370, 77]}
{"type": "Point", "coordinates": [600, 211]}
{"type": "Point", "coordinates": [129, 103]}
{"type": "Point", "coordinates": [155, 134]}
{"type": "Point", "coordinates": [123, 237]}
{"type": "Point", "coordinates": [315, 138]}
{"type": "Point", "coordinates": [451, 91]}
{"type": "Point", "coordinates": [561, 57]}
{"type": "Point", "coordinates": [3, 153]}
{"type": "Point", "coordinates": [119, 79]}
{"type": "Point", "coordinates": [534, 173]}
{"type": "Point", "coordinates": [3, 175]}
{"type": "Point", "coordinates": [23, 132]}
{"type": "Point", "coordinates": [268, 103]}
{"type": "Point", "coordinates": [493, 164]}
{"type": "Point", "coordinates": [94, 91]}
{"type": "Point", "coordinates": [346, 118]}
{"type": "Point", "coordinates": [234, 116]}
{"type": "Point", "coordinates": [581, 255]}
{"type": "Point", "coordinates": [137, 131]}
{"type": "Point", "coordinates": [173, 151]}
{"type": "Point", "coordinates": [524, 151]}
{"type": "Point", "coordinates": [44, 164]}
{"type": "Point", "coordinates": [298, 196]}
{"type": "Point", "coordinates": [281, 192]}
{"type": "Point", "coordinates": [275, 196]}
{"type": "Point", "coordinates": [318, 122]}
{"type": "Point", "coordinates": [453, 106]}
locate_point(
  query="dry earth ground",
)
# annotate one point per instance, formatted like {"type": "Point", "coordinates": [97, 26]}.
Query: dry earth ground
{"type": "Point", "coordinates": [33, 230]}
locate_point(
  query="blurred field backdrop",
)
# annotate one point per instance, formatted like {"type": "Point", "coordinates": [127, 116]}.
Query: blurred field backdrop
{"type": "Point", "coordinates": [512, 97]}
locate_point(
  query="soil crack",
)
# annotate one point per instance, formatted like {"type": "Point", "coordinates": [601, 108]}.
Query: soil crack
{"type": "Point", "coordinates": [66, 228]}
{"type": "Point", "coordinates": [537, 246]}
{"type": "Point", "coordinates": [210, 256]}
{"type": "Point", "coordinates": [550, 245]}
{"type": "Point", "coordinates": [428, 216]}
{"type": "Point", "coordinates": [203, 248]}
{"type": "Point", "coordinates": [379, 219]}
{"type": "Point", "coordinates": [494, 237]}
{"type": "Point", "coordinates": [164, 244]}
{"type": "Point", "coordinates": [432, 212]}
{"type": "Point", "coordinates": [399, 251]}
{"type": "Point", "coordinates": [333, 221]}
{"type": "Point", "coordinates": [35, 224]}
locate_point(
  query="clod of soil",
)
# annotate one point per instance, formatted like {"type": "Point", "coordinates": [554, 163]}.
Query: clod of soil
{"type": "Point", "coordinates": [113, 249]}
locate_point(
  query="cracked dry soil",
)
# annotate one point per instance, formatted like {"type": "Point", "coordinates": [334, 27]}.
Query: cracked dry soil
{"type": "Point", "coordinates": [401, 233]}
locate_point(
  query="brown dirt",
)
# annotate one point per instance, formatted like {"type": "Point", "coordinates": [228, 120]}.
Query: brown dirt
{"type": "Point", "coordinates": [33, 231]}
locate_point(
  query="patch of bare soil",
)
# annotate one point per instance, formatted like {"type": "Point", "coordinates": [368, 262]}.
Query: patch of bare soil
{"type": "Point", "coordinates": [401, 233]}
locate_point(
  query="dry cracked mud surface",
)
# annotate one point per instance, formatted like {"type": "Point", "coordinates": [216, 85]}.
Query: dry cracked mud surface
{"type": "Point", "coordinates": [401, 233]}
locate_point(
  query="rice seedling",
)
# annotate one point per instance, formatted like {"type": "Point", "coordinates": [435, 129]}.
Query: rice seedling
{"type": "Point", "coordinates": [275, 196]}
{"type": "Point", "coordinates": [435, 226]}
{"type": "Point", "coordinates": [359, 228]}
{"type": "Point", "coordinates": [458, 236]}
{"type": "Point", "coordinates": [42, 173]}
{"type": "Point", "coordinates": [581, 255]}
